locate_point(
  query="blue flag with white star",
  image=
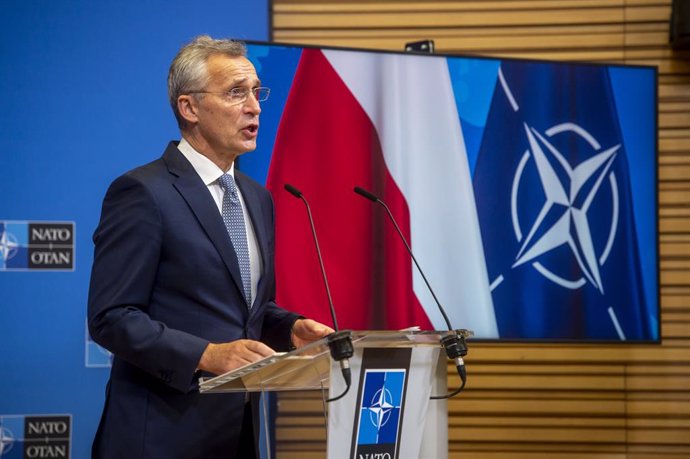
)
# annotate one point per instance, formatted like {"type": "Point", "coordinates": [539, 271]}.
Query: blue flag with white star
{"type": "Point", "coordinates": [553, 192]}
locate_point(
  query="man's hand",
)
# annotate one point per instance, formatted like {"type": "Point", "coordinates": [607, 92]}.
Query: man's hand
{"type": "Point", "coordinates": [224, 357]}
{"type": "Point", "coordinates": [305, 331]}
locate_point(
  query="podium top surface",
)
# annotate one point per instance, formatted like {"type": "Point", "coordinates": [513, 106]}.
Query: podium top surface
{"type": "Point", "coordinates": [309, 367]}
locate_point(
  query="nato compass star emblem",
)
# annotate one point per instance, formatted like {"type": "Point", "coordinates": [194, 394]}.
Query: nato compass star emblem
{"type": "Point", "coordinates": [563, 224]}
{"type": "Point", "coordinates": [563, 219]}
{"type": "Point", "coordinates": [6, 441]}
{"type": "Point", "coordinates": [8, 246]}
{"type": "Point", "coordinates": [569, 191]}
{"type": "Point", "coordinates": [380, 408]}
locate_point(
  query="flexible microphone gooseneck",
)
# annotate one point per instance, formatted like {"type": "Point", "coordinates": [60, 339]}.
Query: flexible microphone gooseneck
{"type": "Point", "coordinates": [454, 344]}
{"type": "Point", "coordinates": [339, 342]}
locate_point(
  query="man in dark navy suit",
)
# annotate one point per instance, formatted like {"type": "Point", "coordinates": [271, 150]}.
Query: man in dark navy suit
{"type": "Point", "coordinates": [183, 277]}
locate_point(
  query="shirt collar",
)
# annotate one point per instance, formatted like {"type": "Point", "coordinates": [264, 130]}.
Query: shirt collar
{"type": "Point", "coordinates": [207, 169]}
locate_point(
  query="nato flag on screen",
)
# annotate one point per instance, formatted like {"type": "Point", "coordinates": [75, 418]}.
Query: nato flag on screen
{"type": "Point", "coordinates": [554, 199]}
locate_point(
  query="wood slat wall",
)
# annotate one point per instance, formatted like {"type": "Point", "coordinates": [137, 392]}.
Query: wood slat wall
{"type": "Point", "coordinates": [529, 400]}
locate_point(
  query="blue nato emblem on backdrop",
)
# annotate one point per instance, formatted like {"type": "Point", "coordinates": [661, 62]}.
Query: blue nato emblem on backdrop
{"type": "Point", "coordinates": [36, 246]}
{"type": "Point", "coordinates": [380, 413]}
{"type": "Point", "coordinates": [30, 436]}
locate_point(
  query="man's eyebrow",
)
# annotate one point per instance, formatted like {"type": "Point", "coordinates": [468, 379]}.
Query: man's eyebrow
{"type": "Point", "coordinates": [236, 81]}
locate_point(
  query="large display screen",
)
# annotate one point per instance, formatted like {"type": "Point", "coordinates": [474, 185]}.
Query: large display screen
{"type": "Point", "coordinates": [526, 190]}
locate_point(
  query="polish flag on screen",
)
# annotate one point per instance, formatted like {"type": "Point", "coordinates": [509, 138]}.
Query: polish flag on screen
{"type": "Point", "coordinates": [389, 124]}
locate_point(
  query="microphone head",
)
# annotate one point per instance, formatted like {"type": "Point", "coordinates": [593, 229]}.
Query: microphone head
{"type": "Point", "coordinates": [293, 191]}
{"type": "Point", "coordinates": [366, 194]}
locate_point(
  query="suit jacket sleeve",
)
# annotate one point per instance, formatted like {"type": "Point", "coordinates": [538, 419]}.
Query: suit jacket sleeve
{"type": "Point", "coordinates": [127, 250]}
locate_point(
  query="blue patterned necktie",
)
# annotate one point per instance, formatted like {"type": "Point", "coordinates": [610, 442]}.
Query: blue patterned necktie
{"type": "Point", "coordinates": [234, 222]}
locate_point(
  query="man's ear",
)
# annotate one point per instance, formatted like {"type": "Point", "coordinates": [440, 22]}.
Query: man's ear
{"type": "Point", "coordinates": [187, 105]}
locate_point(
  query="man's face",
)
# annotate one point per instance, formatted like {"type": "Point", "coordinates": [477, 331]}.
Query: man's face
{"type": "Point", "coordinates": [229, 128]}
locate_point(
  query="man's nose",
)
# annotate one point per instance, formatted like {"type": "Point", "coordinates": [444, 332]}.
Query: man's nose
{"type": "Point", "coordinates": [252, 104]}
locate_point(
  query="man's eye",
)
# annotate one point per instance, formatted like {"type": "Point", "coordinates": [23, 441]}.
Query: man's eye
{"type": "Point", "coordinates": [238, 93]}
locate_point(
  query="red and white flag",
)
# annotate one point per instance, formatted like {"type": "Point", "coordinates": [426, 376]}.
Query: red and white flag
{"type": "Point", "coordinates": [389, 124]}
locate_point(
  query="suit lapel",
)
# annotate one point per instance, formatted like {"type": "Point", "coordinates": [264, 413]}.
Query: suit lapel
{"type": "Point", "coordinates": [195, 193]}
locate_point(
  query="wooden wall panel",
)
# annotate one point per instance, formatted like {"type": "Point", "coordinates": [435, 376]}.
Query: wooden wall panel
{"type": "Point", "coordinates": [527, 400]}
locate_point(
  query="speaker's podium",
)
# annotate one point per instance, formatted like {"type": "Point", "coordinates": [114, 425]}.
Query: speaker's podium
{"type": "Point", "coordinates": [387, 412]}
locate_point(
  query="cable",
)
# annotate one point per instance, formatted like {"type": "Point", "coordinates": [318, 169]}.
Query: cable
{"type": "Point", "coordinates": [462, 372]}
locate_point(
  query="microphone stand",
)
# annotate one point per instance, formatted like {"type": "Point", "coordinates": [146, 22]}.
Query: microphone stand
{"type": "Point", "coordinates": [339, 342]}
{"type": "Point", "coordinates": [454, 343]}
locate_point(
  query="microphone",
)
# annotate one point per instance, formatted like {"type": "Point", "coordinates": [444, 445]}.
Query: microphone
{"type": "Point", "coordinates": [454, 343]}
{"type": "Point", "coordinates": [339, 342]}
{"type": "Point", "coordinates": [298, 194]}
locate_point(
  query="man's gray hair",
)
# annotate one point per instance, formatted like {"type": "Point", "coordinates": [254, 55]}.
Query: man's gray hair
{"type": "Point", "coordinates": [188, 70]}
